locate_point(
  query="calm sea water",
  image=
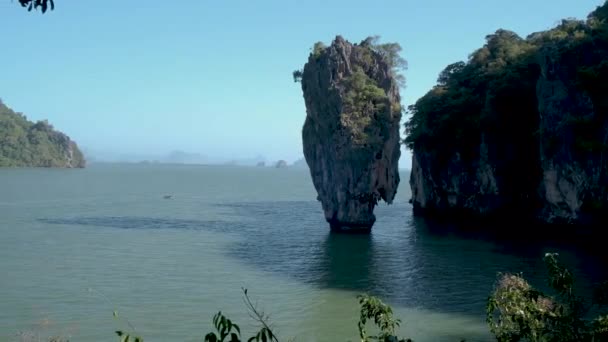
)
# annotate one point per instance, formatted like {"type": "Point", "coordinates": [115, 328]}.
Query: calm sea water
{"type": "Point", "coordinates": [78, 244]}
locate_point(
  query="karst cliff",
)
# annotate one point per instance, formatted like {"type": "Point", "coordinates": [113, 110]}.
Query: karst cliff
{"type": "Point", "coordinates": [520, 130]}
{"type": "Point", "coordinates": [351, 133]}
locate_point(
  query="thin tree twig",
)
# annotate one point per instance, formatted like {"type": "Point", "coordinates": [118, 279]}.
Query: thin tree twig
{"type": "Point", "coordinates": [257, 315]}
{"type": "Point", "coordinates": [114, 311]}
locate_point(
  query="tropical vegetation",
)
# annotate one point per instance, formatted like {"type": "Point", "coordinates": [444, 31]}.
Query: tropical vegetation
{"type": "Point", "coordinates": [27, 144]}
{"type": "Point", "coordinates": [495, 91]}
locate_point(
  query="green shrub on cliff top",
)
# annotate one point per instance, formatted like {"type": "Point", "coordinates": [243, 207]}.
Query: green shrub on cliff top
{"type": "Point", "coordinates": [454, 109]}
{"type": "Point", "coordinates": [362, 99]}
{"type": "Point", "coordinates": [495, 90]}
{"type": "Point", "coordinates": [391, 54]}
{"type": "Point", "coordinates": [366, 108]}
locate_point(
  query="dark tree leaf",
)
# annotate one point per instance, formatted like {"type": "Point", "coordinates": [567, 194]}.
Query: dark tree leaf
{"type": "Point", "coordinates": [210, 337]}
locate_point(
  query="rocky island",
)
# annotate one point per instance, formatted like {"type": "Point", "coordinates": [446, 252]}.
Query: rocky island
{"type": "Point", "coordinates": [520, 130]}
{"type": "Point", "coordinates": [351, 132]}
{"type": "Point", "coordinates": [281, 164]}
{"type": "Point", "coordinates": [27, 144]}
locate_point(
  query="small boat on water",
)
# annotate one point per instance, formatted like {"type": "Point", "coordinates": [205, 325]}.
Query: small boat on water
{"type": "Point", "coordinates": [167, 196]}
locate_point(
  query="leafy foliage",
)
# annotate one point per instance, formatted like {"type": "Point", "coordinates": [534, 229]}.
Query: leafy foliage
{"type": "Point", "coordinates": [24, 143]}
{"type": "Point", "coordinates": [600, 14]}
{"type": "Point", "coordinates": [224, 327]}
{"type": "Point", "coordinates": [297, 75]}
{"type": "Point", "coordinates": [373, 308]}
{"type": "Point", "coordinates": [487, 109]}
{"type": "Point", "coordinates": [367, 94]}
{"type": "Point", "coordinates": [124, 337]}
{"type": "Point", "coordinates": [227, 331]}
{"type": "Point", "coordinates": [495, 90]}
{"type": "Point", "coordinates": [516, 311]}
{"type": "Point", "coordinates": [391, 53]}
{"type": "Point", "coordinates": [317, 49]}
{"type": "Point", "coordinates": [454, 109]}
{"type": "Point", "coordinates": [44, 5]}
{"type": "Point", "coordinates": [362, 99]}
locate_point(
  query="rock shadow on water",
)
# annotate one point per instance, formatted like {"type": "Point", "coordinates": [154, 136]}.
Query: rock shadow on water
{"type": "Point", "coordinates": [409, 262]}
{"type": "Point", "coordinates": [144, 223]}
{"type": "Point", "coordinates": [499, 252]}
{"type": "Point", "coordinates": [393, 262]}
{"type": "Point", "coordinates": [522, 239]}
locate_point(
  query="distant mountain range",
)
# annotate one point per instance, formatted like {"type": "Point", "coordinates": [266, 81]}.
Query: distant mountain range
{"type": "Point", "coordinates": [181, 157]}
{"type": "Point", "coordinates": [247, 161]}
{"type": "Point", "coordinates": [300, 163]}
{"type": "Point", "coordinates": [174, 157]}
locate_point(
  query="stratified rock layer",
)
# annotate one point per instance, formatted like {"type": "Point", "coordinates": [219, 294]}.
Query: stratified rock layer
{"type": "Point", "coordinates": [351, 133]}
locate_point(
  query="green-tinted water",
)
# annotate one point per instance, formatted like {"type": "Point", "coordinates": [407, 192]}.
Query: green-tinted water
{"type": "Point", "coordinates": [77, 244]}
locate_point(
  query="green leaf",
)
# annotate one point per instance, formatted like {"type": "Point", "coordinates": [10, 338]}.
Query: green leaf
{"type": "Point", "coordinates": [234, 338]}
{"type": "Point", "coordinates": [229, 324]}
{"type": "Point", "coordinates": [215, 319]}
{"type": "Point", "coordinates": [223, 332]}
{"type": "Point", "coordinates": [600, 294]}
{"type": "Point", "coordinates": [223, 322]}
{"type": "Point", "coordinates": [210, 337]}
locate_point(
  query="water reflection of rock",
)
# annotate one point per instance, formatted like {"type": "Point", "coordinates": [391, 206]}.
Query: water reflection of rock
{"type": "Point", "coordinates": [346, 262]}
{"type": "Point", "coordinates": [461, 266]}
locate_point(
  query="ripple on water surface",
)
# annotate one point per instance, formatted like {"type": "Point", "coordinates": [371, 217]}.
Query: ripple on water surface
{"type": "Point", "coordinates": [106, 238]}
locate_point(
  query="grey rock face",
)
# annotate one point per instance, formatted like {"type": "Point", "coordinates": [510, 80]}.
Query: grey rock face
{"type": "Point", "coordinates": [73, 156]}
{"type": "Point", "coordinates": [571, 178]}
{"type": "Point", "coordinates": [351, 132]}
{"type": "Point", "coordinates": [571, 184]}
{"type": "Point", "coordinates": [459, 187]}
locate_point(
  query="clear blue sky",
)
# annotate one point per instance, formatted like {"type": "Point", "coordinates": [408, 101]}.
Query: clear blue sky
{"type": "Point", "coordinates": [214, 77]}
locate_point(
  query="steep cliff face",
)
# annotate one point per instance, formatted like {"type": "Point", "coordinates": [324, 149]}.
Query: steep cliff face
{"type": "Point", "coordinates": [520, 130]}
{"type": "Point", "coordinates": [572, 95]}
{"type": "Point", "coordinates": [72, 154]}
{"type": "Point", "coordinates": [27, 144]}
{"type": "Point", "coordinates": [458, 188]}
{"type": "Point", "coordinates": [351, 132]}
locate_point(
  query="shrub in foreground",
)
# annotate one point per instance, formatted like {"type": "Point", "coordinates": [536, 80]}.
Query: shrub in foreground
{"type": "Point", "coordinates": [516, 311]}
